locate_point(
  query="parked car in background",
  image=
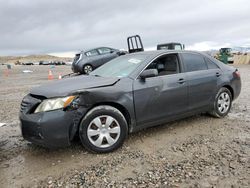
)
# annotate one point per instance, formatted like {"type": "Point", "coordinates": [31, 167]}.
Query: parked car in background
{"type": "Point", "coordinates": [57, 63]}
{"type": "Point", "coordinates": [52, 63]}
{"type": "Point", "coordinates": [127, 94]}
{"type": "Point", "coordinates": [86, 61]}
{"type": "Point", "coordinates": [28, 63]}
{"type": "Point", "coordinates": [69, 63]}
{"type": "Point", "coordinates": [18, 63]}
{"type": "Point", "coordinates": [44, 63]}
{"type": "Point", "coordinates": [171, 46]}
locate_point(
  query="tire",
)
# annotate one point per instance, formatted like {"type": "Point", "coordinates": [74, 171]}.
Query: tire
{"type": "Point", "coordinates": [222, 103]}
{"type": "Point", "coordinates": [87, 69]}
{"type": "Point", "coordinates": [98, 135]}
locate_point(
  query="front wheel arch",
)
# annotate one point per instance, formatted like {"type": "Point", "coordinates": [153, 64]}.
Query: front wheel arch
{"type": "Point", "coordinates": [215, 111]}
{"type": "Point", "coordinates": [98, 111]}
{"type": "Point", "coordinates": [119, 107]}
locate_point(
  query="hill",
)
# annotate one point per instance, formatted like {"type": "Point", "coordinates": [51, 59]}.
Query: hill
{"type": "Point", "coordinates": [32, 58]}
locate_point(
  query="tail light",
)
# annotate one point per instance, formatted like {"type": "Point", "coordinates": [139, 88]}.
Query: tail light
{"type": "Point", "coordinates": [236, 74]}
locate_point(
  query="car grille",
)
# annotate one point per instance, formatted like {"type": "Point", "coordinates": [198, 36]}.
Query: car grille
{"type": "Point", "coordinates": [29, 103]}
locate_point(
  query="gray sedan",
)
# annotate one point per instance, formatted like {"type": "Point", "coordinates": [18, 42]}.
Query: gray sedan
{"type": "Point", "coordinates": [127, 94]}
{"type": "Point", "coordinates": [86, 61]}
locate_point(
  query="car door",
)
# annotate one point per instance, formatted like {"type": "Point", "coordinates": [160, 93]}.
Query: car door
{"type": "Point", "coordinates": [202, 82]}
{"type": "Point", "coordinates": [160, 98]}
{"type": "Point", "coordinates": [93, 58]}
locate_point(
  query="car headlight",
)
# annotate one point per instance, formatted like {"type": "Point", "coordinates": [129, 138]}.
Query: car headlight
{"type": "Point", "coordinates": [54, 104]}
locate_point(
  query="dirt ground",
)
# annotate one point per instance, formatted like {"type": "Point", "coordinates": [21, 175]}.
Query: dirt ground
{"type": "Point", "coordinates": [199, 151]}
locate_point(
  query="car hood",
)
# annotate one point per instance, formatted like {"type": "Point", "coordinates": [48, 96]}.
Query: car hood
{"type": "Point", "coordinates": [67, 86]}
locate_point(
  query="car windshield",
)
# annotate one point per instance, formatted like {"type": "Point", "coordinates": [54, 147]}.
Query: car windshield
{"type": "Point", "coordinates": [120, 67]}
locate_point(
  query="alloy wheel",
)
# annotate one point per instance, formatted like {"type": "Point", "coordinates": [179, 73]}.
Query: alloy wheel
{"type": "Point", "coordinates": [88, 69]}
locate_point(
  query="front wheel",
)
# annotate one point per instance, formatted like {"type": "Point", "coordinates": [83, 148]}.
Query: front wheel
{"type": "Point", "coordinates": [103, 129]}
{"type": "Point", "coordinates": [87, 69]}
{"type": "Point", "coordinates": [222, 103]}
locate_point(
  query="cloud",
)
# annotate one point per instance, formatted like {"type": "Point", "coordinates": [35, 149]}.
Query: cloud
{"type": "Point", "coordinates": [43, 26]}
{"type": "Point", "coordinates": [207, 45]}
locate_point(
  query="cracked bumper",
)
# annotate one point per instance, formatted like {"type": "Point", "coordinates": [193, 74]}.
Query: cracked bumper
{"type": "Point", "coordinates": [51, 129]}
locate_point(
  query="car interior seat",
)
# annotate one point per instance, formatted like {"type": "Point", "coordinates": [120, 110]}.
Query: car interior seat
{"type": "Point", "coordinates": [160, 67]}
{"type": "Point", "coordinates": [170, 65]}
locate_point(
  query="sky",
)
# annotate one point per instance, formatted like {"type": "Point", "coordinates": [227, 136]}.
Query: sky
{"type": "Point", "coordinates": [63, 27]}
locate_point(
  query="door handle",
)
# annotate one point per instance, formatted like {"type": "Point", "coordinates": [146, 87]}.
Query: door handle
{"type": "Point", "coordinates": [218, 74]}
{"type": "Point", "coordinates": [181, 81]}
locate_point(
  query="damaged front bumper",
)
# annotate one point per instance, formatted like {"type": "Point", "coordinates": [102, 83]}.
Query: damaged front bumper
{"type": "Point", "coordinates": [51, 129]}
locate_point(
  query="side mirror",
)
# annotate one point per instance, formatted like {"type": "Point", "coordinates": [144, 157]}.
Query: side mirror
{"type": "Point", "coordinates": [121, 53]}
{"type": "Point", "coordinates": [149, 73]}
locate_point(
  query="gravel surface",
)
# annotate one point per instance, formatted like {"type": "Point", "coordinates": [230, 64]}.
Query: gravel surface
{"type": "Point", "coordinates": [199, 151]}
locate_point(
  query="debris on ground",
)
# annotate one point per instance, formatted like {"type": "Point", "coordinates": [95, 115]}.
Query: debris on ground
{"type": "Point", "coordinates": [27, 71]}
{"type": "Point", "coordinates": [2, 124]}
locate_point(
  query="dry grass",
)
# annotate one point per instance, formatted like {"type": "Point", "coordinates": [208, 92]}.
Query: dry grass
{"type": "Point", "coordinates": [242, 59]}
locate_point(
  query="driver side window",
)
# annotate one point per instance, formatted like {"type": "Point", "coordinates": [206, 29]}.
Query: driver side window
{"type": "Point", "coordinates": [91, 53]}
{"type": "Point", "coordinates": [166, 65]}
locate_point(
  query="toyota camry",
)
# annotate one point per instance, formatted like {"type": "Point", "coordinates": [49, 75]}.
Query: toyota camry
{"type": "Point", "coordinates": [127, 94]}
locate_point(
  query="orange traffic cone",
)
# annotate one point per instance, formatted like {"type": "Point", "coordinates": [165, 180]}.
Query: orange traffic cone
{"type": "Point", "coordinates": [50, 76]}
{"type": "Point", "coordinates": [6, 73]}
{"type": "Point", "coordinates": [60, 76]}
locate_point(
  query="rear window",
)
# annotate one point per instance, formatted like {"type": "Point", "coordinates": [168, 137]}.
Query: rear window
{"type": "Point", "coordinates": [77, 57]}
{"type": "Point", "coordinates": [210, 64]}
{"type": "Point", "coordinates": [194, 62]}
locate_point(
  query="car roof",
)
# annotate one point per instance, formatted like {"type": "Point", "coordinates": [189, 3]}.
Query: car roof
{"type": "Point", "coordinates": [83, 51]}
{"type": "Point", "coordinates": [159, 52]}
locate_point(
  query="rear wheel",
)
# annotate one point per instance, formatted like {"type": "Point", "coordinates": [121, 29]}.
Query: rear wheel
{"type": "Point", "coordinates": [103, 129]}
{"type": "Point", "coordinates": [222, 103]}
{"type": "Point", "coordinates": [87, 69]}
